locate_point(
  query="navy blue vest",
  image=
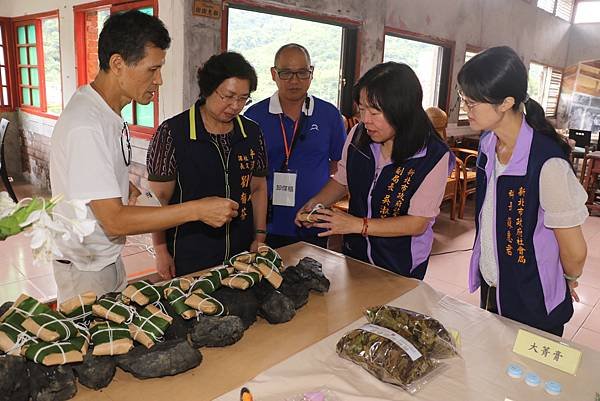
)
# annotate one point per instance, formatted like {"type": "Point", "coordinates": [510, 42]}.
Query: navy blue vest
{"type": "Point", "coordinates": [202, 171]}
{"type": "Point", "coordinates": [531, 288]}
{"type": "Point", "coordinates": [390, 197]}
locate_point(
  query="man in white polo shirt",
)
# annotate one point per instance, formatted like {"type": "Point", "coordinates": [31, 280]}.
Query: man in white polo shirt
{"type": "Point", "coordinates": [90, 154]}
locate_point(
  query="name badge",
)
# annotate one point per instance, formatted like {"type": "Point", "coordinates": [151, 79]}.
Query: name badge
{"type": "Point", "coordinates": [284, 189]}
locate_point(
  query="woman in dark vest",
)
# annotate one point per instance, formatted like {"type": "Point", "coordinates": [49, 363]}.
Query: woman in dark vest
{"type": "Point", "coordinates": [529, 249]}
{"type": "Point", "coordinates": [394, 167]}
{"type": "Point", "coordinates": [211, 152]}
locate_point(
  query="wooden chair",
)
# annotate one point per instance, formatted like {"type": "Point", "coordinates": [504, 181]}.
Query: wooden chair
{"type": "Point", "coordinates": [583, 145]}
{"type": "Point", "coordinates": [439, 120]}
{"type": "Point", "coordinates": [590, 173]}
{"type": "Point", "coordinates": [3, 173]}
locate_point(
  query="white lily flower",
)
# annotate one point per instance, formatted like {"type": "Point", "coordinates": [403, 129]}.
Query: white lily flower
{"type": "Point", "coordinates": [7, 205]}
{"type": "Point", "coordinates": [79, 208]}
{"type": "Point", "coordinates": [83, 228]}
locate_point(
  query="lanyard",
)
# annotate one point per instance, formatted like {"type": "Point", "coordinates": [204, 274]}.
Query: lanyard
{"type": "Point", "coordinates": [288, 149]}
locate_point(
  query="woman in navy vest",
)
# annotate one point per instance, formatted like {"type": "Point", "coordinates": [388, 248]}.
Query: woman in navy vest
{"type": "Point", "coordinates": [211, 152]}
{"type": "Point", "coordinates": [529, 249]}
{"type": "Point", "coordinates": [394, 167]}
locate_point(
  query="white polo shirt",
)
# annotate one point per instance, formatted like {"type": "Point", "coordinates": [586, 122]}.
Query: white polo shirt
{"type": "Point", "coordinates": [87, 163]}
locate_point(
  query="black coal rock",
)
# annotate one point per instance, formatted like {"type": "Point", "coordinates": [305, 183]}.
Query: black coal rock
{"type": "Point", "coordinates": [311, 272]}
{"type": "Point", "coordinates": [296, 291]}
{"type": "Point", "coordinates": [51, 383]}
{"type": "Point", "coordinates": [277, 308]}
{"type": "Point", "coordinates": [261, 290]}
{"type": "Point", "coordinates": [242, 303]}
{"type": "Point", "coordinates": [163, 359]}
{"type": "Point", "coordinates": [14, 380]}
{"type": "Point", "coordinates": [95, 372]}
{"type": "Point", "coordinates": [216, 331]}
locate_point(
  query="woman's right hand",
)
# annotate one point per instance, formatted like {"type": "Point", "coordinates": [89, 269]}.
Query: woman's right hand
{"type": "Point", "coordinates": [572, 285]}
{"type": "Point", "coordinates": [300, 219]}
{"type": "Point", "coordinates": [165, 264]}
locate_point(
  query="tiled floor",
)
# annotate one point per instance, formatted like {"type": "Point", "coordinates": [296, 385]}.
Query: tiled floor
{"type": "Point", "coordinates": [447, 271]}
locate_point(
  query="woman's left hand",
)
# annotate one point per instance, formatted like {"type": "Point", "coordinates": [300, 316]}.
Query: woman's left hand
{"type": "Point", "coordinates": [337, 222]}
{"type": "Point", "coordinates": [572, 285]}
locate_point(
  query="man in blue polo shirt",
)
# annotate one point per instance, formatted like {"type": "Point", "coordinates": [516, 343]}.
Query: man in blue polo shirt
{"type": "Point", "coordinates": [304, 137]}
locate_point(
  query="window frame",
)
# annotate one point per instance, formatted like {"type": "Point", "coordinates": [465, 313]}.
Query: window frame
{"type": "Point", "coordinates": [575, 7]}
{"type": "Point", "coordinates": [8, 47]}
{"type": "Point", "coordinates": [554, 12]}
{"type": "Point", "coordinates": [351, 33]}
{"type": "Point", "coordinates": [461, 122]}
{"type": "Point", "coordinates": [445, 75]}
{"type": "Point", "coordinates": [551, 69]}
{"type": "Point", "coordinates": [36, 20]}
{"type": "Point", "coordinates": [114, 6]}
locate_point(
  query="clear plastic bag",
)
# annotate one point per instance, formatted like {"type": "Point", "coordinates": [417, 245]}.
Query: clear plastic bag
{"type": "Point", "coordinates": [399, 346]}
{"type": "Point", "coordinates": [434, 340]}
{"type": "Point", "coordinates": [320, 394]}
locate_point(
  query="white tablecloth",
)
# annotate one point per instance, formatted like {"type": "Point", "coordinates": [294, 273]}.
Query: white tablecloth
{"type": "Point", "coordinates": [480, 374]}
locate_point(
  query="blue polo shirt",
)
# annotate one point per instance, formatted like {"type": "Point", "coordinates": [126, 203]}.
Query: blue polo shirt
{"type": "Point", "coordinates": [320, 140]}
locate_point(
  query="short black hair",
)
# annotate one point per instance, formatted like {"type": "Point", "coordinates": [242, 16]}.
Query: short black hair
{"type": "Point", "coordinates": [498, 73]}
{"type": "Point", "coordinates": [292, 46]}
{"type": "Point", "coordinates": [128, 33]}
{"type": "Point", "coordinates": [394, 89]}
{"type": "Point", "coordinates": [223, 66]}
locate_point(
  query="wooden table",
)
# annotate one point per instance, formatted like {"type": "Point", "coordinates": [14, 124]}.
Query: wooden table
{"type": "Point", "coordinates": [354, 286]}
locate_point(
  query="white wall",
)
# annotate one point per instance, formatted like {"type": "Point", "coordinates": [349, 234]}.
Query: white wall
{"type": "Point", "coordinates": [584, 43]}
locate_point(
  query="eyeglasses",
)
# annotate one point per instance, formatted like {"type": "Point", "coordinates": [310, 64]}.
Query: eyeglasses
{"type": "Point", "coordinates": [125, 133]}
{"type": "Point", "coordinates": [286, 75]}
{"type": "Point", "coordinates": [465, 104]}
{"type": "Point", "coordinates": [232, 99]}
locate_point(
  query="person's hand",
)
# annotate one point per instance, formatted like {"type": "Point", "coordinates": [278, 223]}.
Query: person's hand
{"type": "Point", "coordinates": [338, 222]}
{"type": "Point", "coordinates": [215, 211]}
{"type": "Point", "coordinates": [572, 285]}
{"type": "Point", "coordinates": [164, 264]}
{"type": "Point", "coordinates": [134, 192]}
{"type": "Point", "coordinates": [300, 219]}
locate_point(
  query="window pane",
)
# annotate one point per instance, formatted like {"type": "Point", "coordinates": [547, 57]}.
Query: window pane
{"type": "Point", "coordinates": [33, 56]}
{"type": "Point", "coordinates": [145, 114]}
{"type": "Point", "coordinates": [21, 38]}
{"type": "Point", "coordinates": [535, 85]}
{"type": "Point", "coordinates": [564, 9]}
{"type": "Point", "coordinates": [26, 97]}
{"type": "Point", "coordinates": [127, 114]}
{"type": "Point", "coordinates": [2, 75]}
{"type": "Point", "coordinates": [24, 76]}
{"type": "Point", "coordinates": [258, 36]}
{"type": "Point", "coordinates": [31, 34]}
{"type": "Point", "coordinates": [547, 5]}
{"type": "Point", "coordinates": [587, 11]}
{"type": "Point", "coordinates": [5, 95]}
{"type": "Point", "coordinates": [35, 79]}
{"type": "Point", "coordinates": [423, 58]}
{"type": "Point", "coordinates": [35, 95]}
{"type": "Point", "coordinates": [147, 10]}
{"type": "Point", "coordinates": [1, 54]}
{"type": "Point", "coordinates": [23, 55]}
{"type": "Point", "coordinates": [52, 65]}
{"type": "Point", "coordinates": [1, 35]}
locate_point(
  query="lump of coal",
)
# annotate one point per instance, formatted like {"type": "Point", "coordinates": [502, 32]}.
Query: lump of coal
{"type": "Point", "coordinates": [95, 372]}
{"type": "Point", "coordinates": [240, 303]}
{"type": "Point", "coordinates": [277, 308]}
{"type": "Point", "coordinates": [164, 359]}
{"type": "Point", "coordinates": [310, 272]}
{"type": "Point", "coordinates": [53, 383]}
{"type": "Point", "coordinates": [297, 292]}
{"type": "Point", "coordinates": [216, 331]}
{"type": "Point", "coordinates": [14, 380]}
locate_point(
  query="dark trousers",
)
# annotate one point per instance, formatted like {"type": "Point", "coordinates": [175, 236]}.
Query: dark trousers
{"type": "Point", "coordinates": [488, 302]}
{"type": "Point", "coordinates": [277, 241]}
